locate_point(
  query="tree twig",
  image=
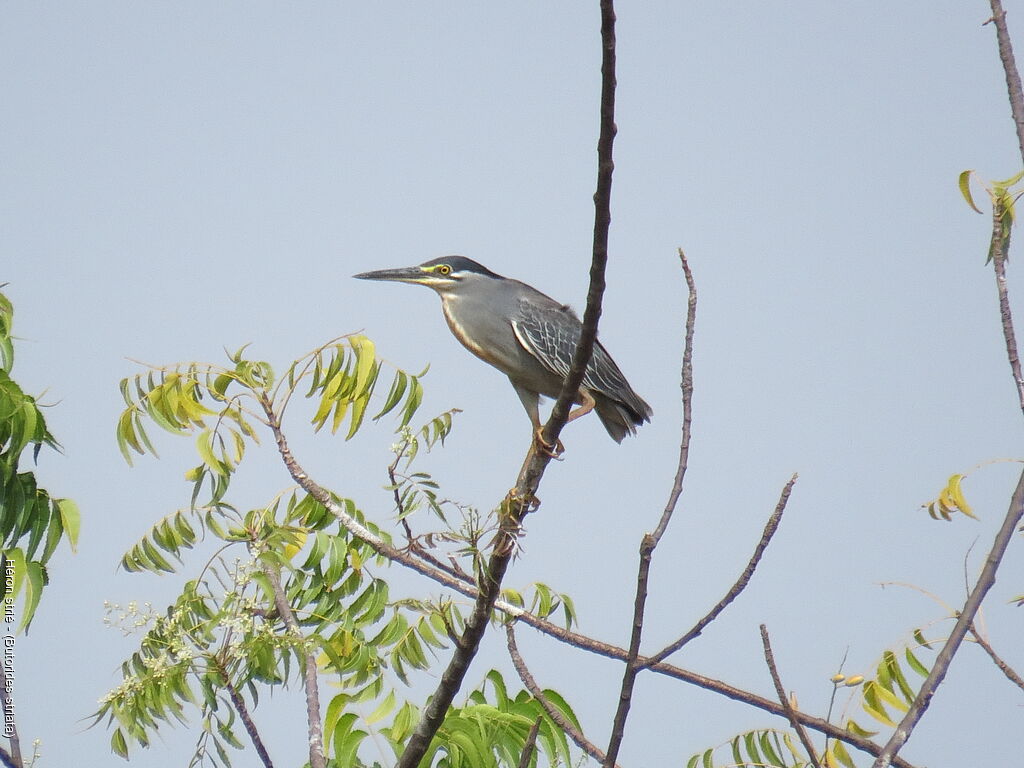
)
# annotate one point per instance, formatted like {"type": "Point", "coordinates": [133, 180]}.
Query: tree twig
{"type": "Point", "coordinates": [1001, 228]}
{"type": "Point", "coordinates": [1006, 669]}
{"type": "Point", "coordinates": [521, 500]}
{"type": "Point", "coordinates": [314, 726]}
{"type": "Point", "coordinates": [650, 541]}
{"type": "Point", "coordinates": [766, 536]}
{"type": "Point", "coordinates": [552, 711]}
{"type": "Point", "coordinates": [1013, 83]}
{"type": "Point", "coordinates": [945, 656]}
{"type": "Point", "coordinates": [244, 715]}
{"type": "Point", "coordinates": [602, 223]}
{"type": "Point", "coordinates": [530, 746]}
{"type": "Point", "coordinates": [773, 670]}
{"type": "Point", "coordinates": [583, 642]}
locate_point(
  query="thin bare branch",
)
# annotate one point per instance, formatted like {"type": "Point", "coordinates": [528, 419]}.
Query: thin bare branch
{"type": "Point", "coordinates": [945, 656]}
{"type": "Point", "coordinates": [602, 223]}
{"type": "Point", "coordinates": [766, 536]}
{"type": "Point", "coordinates": [1001, 225]}
{"type": "Point", "coordinates": [607, 650]}
{"type": "Point", "coordinates": [247, 722]}
{"type": "Point", "coordinates": [553, 712]}
{"type": "Point", "coordinates": [650, 541]}
{"type": "Point", "coordinates": [413, 545]}
{"type": "Point", "coordinates": [1013, 84]}
{"type": "Point", "coordinates": [574, 639]}
{"type": "Point", "coordinates": [787, 705]}
{"type": "Point", "coordinates": [1006, 669]}
{"type": "Point", "coordinates": [315, 732]}
{"type": "Point", "coordinates": [686, 386]}
{"type": "Point", "coordinates": [530, 746]}
{"type": "Point", "coordinates": [522, 499]}
{"type": "Point", "coordinates": [647, 546]}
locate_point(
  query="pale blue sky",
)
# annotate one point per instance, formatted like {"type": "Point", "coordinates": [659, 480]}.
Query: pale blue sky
{"type": "Point", "coordinates": [182, 177]}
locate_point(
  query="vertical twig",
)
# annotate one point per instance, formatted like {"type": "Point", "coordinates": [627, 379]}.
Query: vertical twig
{"type": "Point", "coordinates": [773, 670]}
{"type": "Point", "coordinates": [766, 536]}
{"type": "Point", "coordinates": [945, 656]}
{"type": "Point", "coordinates": [1013, 84]}
{"type": "Point", "coordinates": [1001, 236]}
{"type": "Point", "coordinates": [650, 541]}
{"type": "Point", "coordinates": [316, 738]}
{"type": "Point", "coordinates": [522, 498]}
{"type": "Point", "coordinates": [602, 223]}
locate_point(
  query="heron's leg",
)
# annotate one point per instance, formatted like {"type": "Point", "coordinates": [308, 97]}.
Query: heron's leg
{"type": "Point", "coordinates": [586, 407]}
{"type": "Point", "coordinates": [531, 402]}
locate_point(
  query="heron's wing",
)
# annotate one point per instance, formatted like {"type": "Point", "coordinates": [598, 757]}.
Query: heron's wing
{"type": "Point", "coordinates": [551, 332]}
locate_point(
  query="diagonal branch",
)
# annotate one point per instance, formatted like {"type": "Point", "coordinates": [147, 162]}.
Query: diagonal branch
{"type": "Point", "coordinates": [1013, 84]}
{"type": "Point", "coordinates": [766, 536]}
{"type": "Point", "coordinates": [316, 737]}
{"type": "Point", "coordinates": [522, 499]}
{"type": "Point", "coordinates": [1000, 223]}
{"type": "Point", "coordinates": [650, 541]}
{"type": "Point", "coordinates": [945, 656]}
{"type": "Point", "coordinates": [530, 746]}
{"type": "Point", "coordinates": [243, 713]}
{"type": "Point", "coordinates": [583, 642]}
{"type": "Point", "coordinates": [535, 690]}
{"type": "Point", "coordinates": [801, 732]}
{"type": "Point", "coordinates": [610, 651]}
{"type": "Point", "coordinates": [1006, 669]}
{"type": "Point", "coordinates": [602, 223]}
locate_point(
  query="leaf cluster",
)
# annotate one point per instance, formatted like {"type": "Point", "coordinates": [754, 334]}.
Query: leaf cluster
{"type": "Point", "coordinates": [888, 690]}
{"type": "Point", "coordinates": [225, 638]}
{"type": "Point", "coordinates": [32, 522]}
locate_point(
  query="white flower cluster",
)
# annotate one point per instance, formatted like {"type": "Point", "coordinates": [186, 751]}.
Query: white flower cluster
{"type": "Point", "coordinates": [129, 618]}
{"type": "Point", "coordinates": [406, 434]}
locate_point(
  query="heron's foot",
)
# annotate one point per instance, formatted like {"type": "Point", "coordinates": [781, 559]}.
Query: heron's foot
{"type": "Point", "coordinates": [531, 504]}
{"type": "Point", "coordinates": [586, 407]}
{"type": "Point", "coordinates": [554, 450]}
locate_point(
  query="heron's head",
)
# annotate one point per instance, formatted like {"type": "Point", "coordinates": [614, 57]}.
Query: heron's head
{"type": "Point", "coordinates": [446, 274]}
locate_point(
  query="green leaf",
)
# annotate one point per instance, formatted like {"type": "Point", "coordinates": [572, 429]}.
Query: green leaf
{"type": "Point", "coordinates": [915, 664]}
{"type": "Point", "coordinates": [965, 189]}
{"type": "Point", "coordinates": [36, 579]}
{"type": "Point", "coordinates": [118, 745]}
{"type": "Point", "coordinates": [840, 753]}
{"type": "Point", "coordinates": [365, 361]}
{"type": "Point", "coordinates": [383, 709]}
{"type": "Point", "coordinates": [71, 521]}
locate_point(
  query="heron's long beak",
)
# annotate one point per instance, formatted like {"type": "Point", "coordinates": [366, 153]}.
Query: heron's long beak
{"type": "Point", "coordinates": [401, 275]}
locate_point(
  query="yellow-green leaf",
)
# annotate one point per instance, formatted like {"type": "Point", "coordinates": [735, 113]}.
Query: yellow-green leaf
{"type": "Point", "coordinates": [965, 189]}
{"type": "Point", "coordinates": [71, 520]}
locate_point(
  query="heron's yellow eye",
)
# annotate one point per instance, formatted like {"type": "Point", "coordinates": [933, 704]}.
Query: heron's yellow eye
{"type": "Point", "coordinates": [444, 270]}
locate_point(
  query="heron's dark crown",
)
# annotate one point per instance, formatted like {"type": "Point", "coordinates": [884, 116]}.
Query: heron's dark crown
{"type": "Point", "coordinates": [462, 264]}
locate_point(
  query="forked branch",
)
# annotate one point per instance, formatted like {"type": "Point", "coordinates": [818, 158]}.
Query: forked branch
{"type": "Point", "coordinates": [535, 690]}
{"type": "Point", "coordinates": [773, 670]}
{"type": "Point", "coordinates": [650, 541]}
{"type": "Point", "coordinates": [521, 500]}
{"type": "Point", "coordinates": [945, 656]}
